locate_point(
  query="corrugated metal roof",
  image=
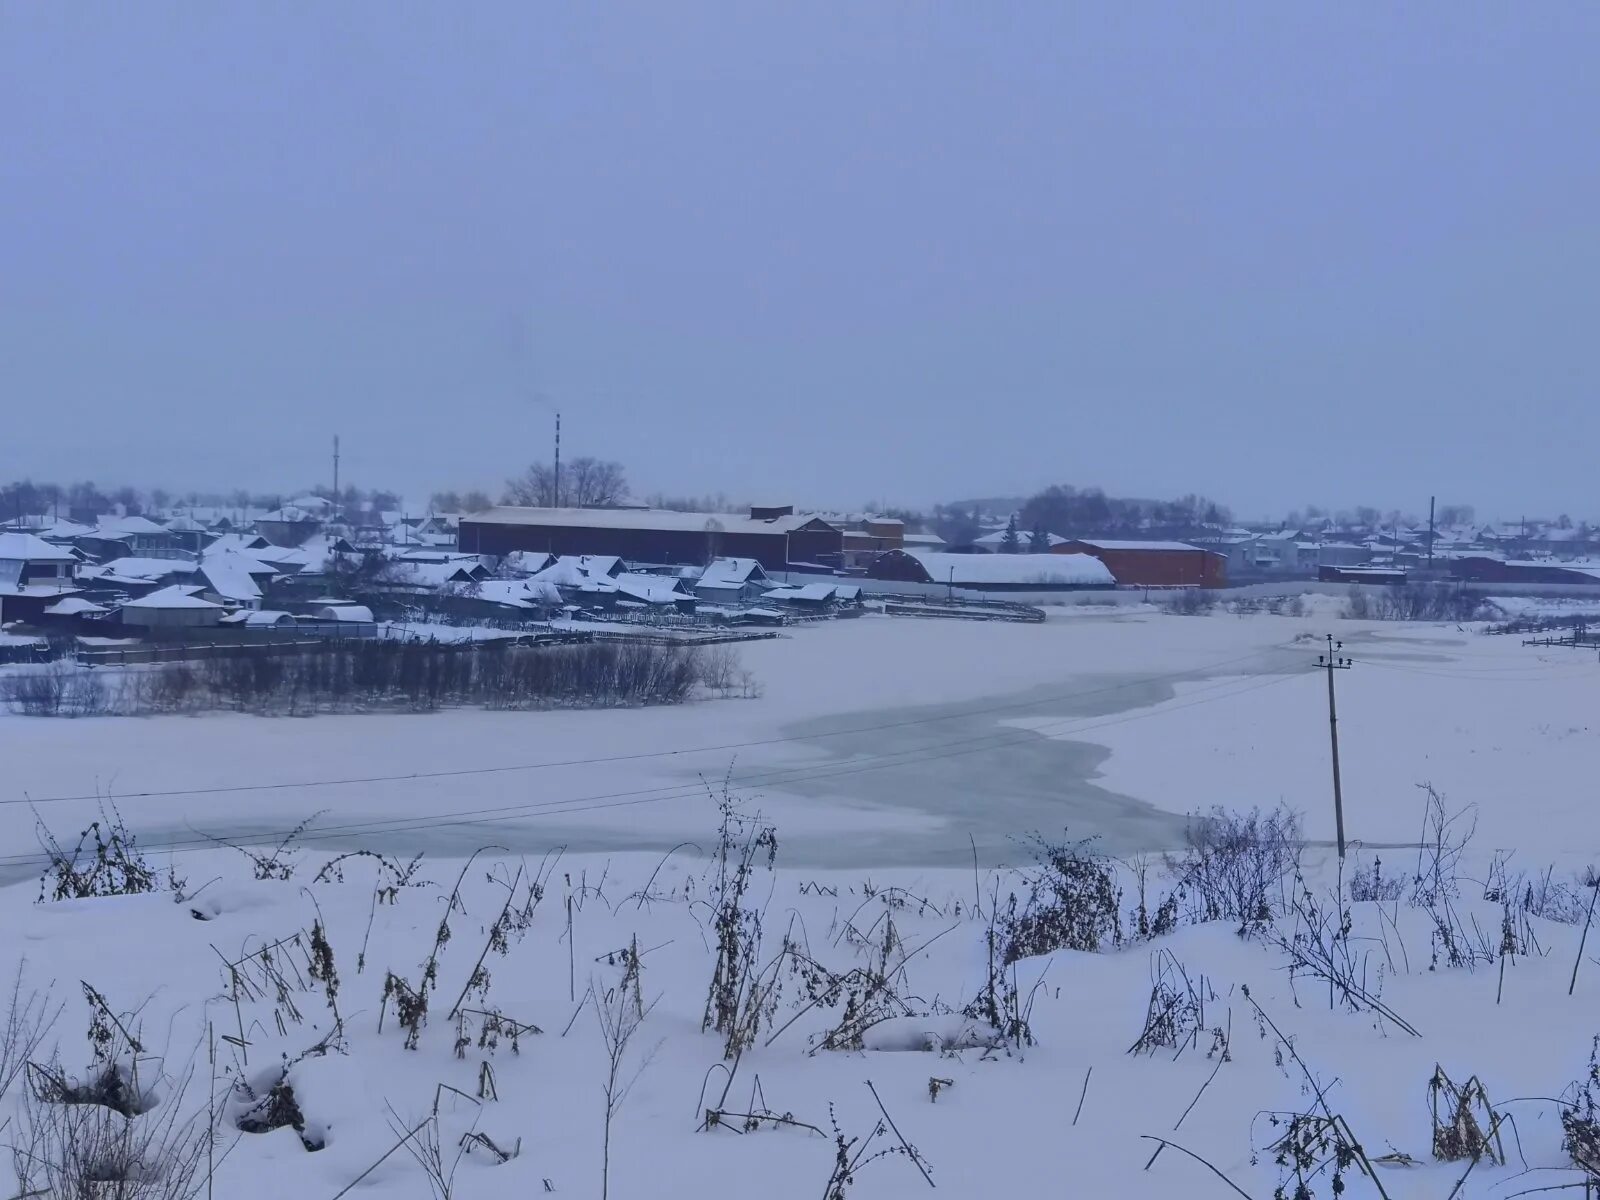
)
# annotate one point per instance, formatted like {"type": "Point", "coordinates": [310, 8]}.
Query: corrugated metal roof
{"type": "Point", "coordinates": [639, 518]}
{"type": "Point", "coordinates": [1105, 544]}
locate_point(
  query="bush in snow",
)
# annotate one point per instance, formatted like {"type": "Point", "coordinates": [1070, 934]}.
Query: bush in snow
{"type": "Point", "coordinates": [737, 1001]}
{"type": "Point", "coordinates": [1580, 1116]}
{"type": "Point", "coordinates": [87, 1150]}
{"type": "Point", "coordinates": [1073, 903]}
{"type": "Point", "coordinates": [386, 675]}
{"type": "Point", "coordinates": [1370, 884]}
{"type": "Point", "coordinates": [1189, 602]}
{"type": "Point", "coordinates": [57, 689]}
{"type": "Point", "coordinates": [105, 861]}
{"type": "Point", "coordinates": [1419, 602]}
{"type": "Point", "coordinates": [1238, 866]}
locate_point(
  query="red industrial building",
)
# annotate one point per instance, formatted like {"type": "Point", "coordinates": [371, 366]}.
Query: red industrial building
{"type": "Point", "coordinates": [774, 537]}
{"type": "Point", "coordinates": [1154, 564]}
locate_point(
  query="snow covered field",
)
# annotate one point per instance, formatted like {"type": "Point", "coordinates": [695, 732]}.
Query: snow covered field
{"type": "Point", "coordinates": [887, 754]}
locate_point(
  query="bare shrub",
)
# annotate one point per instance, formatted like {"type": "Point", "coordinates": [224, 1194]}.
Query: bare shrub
{"type": "Point", "coordinates": [1315, 1144]}
{"type": "Point", "coordinates": [1580, 1116]}
{"type": "Point", "coordinates": [363, 676]}
{"type": "Point", "coordinates": [57, 689]}
{"type": "Point", "coordinates": [1320, 944]}
{"type": "Point", "coordinates": [1420, 602]}
{"type": "Point", "coordinates": [1073, 903]}
{"type": "Point", "coordinates": [105, 861]}
{"type": "Point", "coordinates": [1176, 1014]}
{"type": "Point", "coordinates": [1189, 602]}
{"type": "Point", "coordinates": [743, 843]}
{"type": "Point", "coordinates": [854, 1154]}
{"type": "Point", "coordinates": [1457, 940]}
{"type": "Point", "coordinates": [719, 668]}
{"type": "Point", "coordinates": [1370, 884]}
{"type": "Point", "coordinates": [91, 1152]}
{"type": "Point", "coordinates": [1238, 866]}
{"type": "Point", "coordinates": [110, 1135]}
{"type": "Point", "coordinates": [28, 1019]}
{"type": "Point", "coordinates": [1465, 1124]}
{"type": "Point", "coordinates": [1539, 893]}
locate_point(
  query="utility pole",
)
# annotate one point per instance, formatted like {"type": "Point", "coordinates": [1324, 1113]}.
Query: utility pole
{"type": "Point", "coordinates": [1332, 661]}
{"type": "Point", "coordinates": [1431, 499]}
{"type": "Point", "coordinates": [558, 459]}
{"type": "Point", "coordinates": [336, 477]}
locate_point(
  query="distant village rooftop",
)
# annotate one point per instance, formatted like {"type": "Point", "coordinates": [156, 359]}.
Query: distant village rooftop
{"type": "Point", "coordinates": [640, 518]}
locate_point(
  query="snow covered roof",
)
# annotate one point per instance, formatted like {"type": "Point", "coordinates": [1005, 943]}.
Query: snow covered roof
{"type": "Point", "coordinates": [813, 593]}
{"type": "Point", "coordinates": [1024, 536]}
{"type": "Point", "coordinates": [65, 530]}
{"type": "Point", "coordinates": [27, 547]}
{"type": "Point", "coordinates": [1104, 544]}
{"type": "Point", "coordinates": [640, 518]}
{"type": "Point", "coordinates": [255, 618]}
{"type": "Point", "coordinates": [239, 541]}
{"type": "Point", "coordinates": [651, 589]}
{"type": "Point", "coordinates": [529, 562]}
{"type": "Point", "coordinates": [72, 606]}
{"type": "Point", "coordinates": [731, 573]}
{"type": "Point", "coordinates": [518, 593]}
{"type": "Point", "coordinates": [576, 570]}
{"type": "Point", "coordinates": [138, 568]}
{"type": "Point", "coordinates": [435, 575]}
{"type": "Point", "coordinates": [178, 595]}
{"type": "Point", "coordinates": [120, 527]}
{"type": "Point", "coordinates": [289, 514]}
{"type": "Point", "coordinates": [1057, 570]}
{"type": "Point", "coordinates": [231, 575]}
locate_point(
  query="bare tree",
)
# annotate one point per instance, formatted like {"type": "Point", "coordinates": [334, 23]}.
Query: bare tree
{"type": "Point", "coordinates": [620, 1011]}
{"type": "Point", "coordinates": [584, 483]}
{"type": "Point", "coordinates": [28, 1019]}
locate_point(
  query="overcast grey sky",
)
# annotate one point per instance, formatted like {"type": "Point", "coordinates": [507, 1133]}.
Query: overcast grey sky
{"type": "Point", "coordinates": [1277, 253]}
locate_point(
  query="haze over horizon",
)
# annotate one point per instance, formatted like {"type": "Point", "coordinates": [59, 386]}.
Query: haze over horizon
{"type": "Point", "coordinates": [819, 254]}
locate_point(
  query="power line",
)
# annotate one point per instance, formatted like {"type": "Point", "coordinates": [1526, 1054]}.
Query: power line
{"type": "Point", "coordinates": [602, 801]}
{"type": "Point", "coordinates": [460, 772]}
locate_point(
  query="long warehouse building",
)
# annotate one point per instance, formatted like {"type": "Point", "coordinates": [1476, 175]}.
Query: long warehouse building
{"type": "Point", "coordinates": [774, 537]}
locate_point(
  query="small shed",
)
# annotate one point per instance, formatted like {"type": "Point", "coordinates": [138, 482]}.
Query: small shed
{"type": "Point", "coordinates": [344, 612]}
{"type": "Point", "coordinates": [174, 607]}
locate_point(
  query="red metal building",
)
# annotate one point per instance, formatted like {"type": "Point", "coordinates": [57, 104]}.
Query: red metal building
{"type": "Point", "coordinates": [1154, 564]}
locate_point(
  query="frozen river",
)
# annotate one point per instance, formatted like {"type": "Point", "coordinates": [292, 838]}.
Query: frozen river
{"type": "Point", "coordinates": [879, 741]}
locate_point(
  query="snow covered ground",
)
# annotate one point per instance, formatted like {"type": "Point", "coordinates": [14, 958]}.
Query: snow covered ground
{"type": "Point", "coordinates": [887, 753]}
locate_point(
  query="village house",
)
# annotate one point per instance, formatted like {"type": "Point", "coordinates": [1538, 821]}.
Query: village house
{"type": "Point", "coordinates": [732, 581]}
{"type": "Point", "coordinates": [122, 537]}
{"type": "Point", "coordinates": [33, 575]}
{"type": "Point", "coordinates": [177, 607]}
